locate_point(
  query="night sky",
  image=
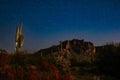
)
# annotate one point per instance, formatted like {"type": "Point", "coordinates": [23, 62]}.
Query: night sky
{"type": "Point", "coordinates": [46, 22]}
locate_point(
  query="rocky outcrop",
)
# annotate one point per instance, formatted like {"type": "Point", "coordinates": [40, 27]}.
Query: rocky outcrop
{"type": "Point", "coordinates": [78, 46]}
{"type": "Point", "coordinates": [80, 50]}
{"type": "Point", "coordinates": [75, 45]}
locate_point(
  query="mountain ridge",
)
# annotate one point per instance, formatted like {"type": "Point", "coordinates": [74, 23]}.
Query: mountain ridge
{"type": "Point", "coordinates": [76, 45]}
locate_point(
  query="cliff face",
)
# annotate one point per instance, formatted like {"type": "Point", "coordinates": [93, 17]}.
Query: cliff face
{"type": "Point", "coordinates": [81, 51]}
{"type": "Point", "coordinates": [75, 45]}
{"type": "Point", "coordinates": [78, 46]}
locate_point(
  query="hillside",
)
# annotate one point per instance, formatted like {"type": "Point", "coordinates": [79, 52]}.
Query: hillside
{"type": "Point", "coordinates": [75, 45]}
{"type": "Point", "coordinates": [70, 60]}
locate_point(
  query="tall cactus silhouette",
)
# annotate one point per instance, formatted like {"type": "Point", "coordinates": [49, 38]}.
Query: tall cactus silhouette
{"type": "Point", "coordinates": [19, 38]}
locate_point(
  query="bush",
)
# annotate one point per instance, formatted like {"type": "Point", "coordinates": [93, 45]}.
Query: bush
{"type": "Point", "coordinates": [108, 59]}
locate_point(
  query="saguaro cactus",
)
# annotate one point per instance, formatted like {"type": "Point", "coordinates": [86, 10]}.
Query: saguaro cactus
{"type": "Point", "coordinates": [19, 38]}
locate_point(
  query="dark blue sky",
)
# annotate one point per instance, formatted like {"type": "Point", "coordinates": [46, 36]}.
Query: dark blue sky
{"type": "Point", "coordinates": [46, 22]}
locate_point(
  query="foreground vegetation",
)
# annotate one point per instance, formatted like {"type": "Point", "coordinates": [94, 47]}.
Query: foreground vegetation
{"type": "Point", "coordinates": [108, 59]}
{"type": "Point", "coordinates": [24, 66]}
{"type": "Point", "coordinates": [29, 67]}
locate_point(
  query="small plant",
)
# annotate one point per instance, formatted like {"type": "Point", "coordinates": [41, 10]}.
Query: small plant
{"type": "Point", "coordinates": [63, 61]}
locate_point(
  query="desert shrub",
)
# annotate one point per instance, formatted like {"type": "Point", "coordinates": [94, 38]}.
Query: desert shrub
{"type": "Point", "coordinates": [67, 76]}
{"type": "Point", "coordinates": [63, 61]}
{"type": "Point", "coordinates": [17, 59]}
{"type": "Point", "coordinates": [4, 58]}
{"type": "Point", "coordinates": [108, 59]}
{"type": "Point", "coordinates": [30, 67]}
{"type": "Point", "coordinates": [75, 60]}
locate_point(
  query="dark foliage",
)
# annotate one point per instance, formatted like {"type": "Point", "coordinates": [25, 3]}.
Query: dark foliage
{"type": "Point", "coordinates": [108, 59]}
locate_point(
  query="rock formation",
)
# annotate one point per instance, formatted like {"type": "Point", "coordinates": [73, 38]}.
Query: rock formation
{"type": "Point", "coordinates": [79, 46]}
{"type": "Point", "coordinates": [85, 50]}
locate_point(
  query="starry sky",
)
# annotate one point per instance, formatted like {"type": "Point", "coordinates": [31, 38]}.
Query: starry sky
{"type": "Point", "coordinates": [46, 22]}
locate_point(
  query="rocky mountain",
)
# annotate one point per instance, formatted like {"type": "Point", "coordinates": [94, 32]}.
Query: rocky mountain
{"type": "Point", "coordinates": [75, 45]}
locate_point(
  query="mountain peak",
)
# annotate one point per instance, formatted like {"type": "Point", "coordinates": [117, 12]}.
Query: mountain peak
{"type": "Point", "coordinates": [74, 45]}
